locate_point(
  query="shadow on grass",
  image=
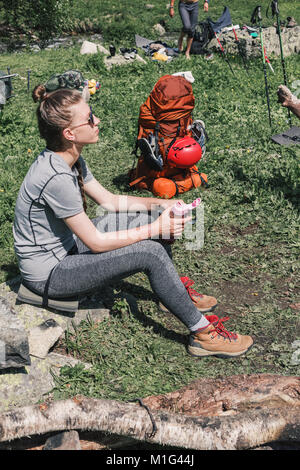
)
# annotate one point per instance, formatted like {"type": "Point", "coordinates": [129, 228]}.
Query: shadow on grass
{"type": "Point", "coordinates": [122, 183]}
{"type": "Point", "coordinates": [127, 292]}
{"type": "Point", "coordinates": [11, 270]}
{"type": "Point", "coordinates": [277, 184]}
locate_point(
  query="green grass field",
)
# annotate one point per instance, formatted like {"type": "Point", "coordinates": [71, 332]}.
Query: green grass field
{"type": "Point", "coordinates": [250, 257]}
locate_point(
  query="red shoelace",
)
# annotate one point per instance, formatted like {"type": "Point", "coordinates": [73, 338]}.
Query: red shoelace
{"type": "Point", "coordinates": [219, 327]}
{"type": "Point", "coordinates": [187, 282]}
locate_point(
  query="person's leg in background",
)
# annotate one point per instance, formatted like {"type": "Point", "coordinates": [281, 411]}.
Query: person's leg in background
{"type": "Point", "coordinates": [189, 17]}
{"type": "Point", "coordinates": [194, 11]}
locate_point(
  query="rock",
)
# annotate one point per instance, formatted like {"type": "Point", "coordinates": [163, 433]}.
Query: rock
{"type": "Point", "coordinates": [51, 46]}
{"type": "Point", "coordinates": [118, 59]}
{"type": "Point", "coordinates": [158, 28]}
{"type": "Point", "coordinates": [14, 347]}
{"type": "Point", "coordinates": [121, 60]}
{"type": "Point", "coordinates": [35, 48]}
{"type": "Point", "coordinates": [96, 37]}
{"type": "Point", "coordinates": [68, 440]}
{"type": "Point", "coordinates": [251, 46]}
{"type": "Point", "coordinates": [43, 337]}
{"type": "Point", "coordinates": [97, 315]}
{"type": "Point", "coordinates": [31, 383]}
{"type": "Point", "coordinates": [102, 50]}
{"type": "Point", "coordinates": [88, 48]}
{"type": "Point", "coordinates": [35, 382]}
{"type": "Point", "coordinates": [140, 59]}
{"type": "Point", "coordinates": [149, 6]}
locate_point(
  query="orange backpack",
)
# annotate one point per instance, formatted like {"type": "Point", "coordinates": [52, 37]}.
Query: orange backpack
{"type": "Point", "coordinates": [166, 115]}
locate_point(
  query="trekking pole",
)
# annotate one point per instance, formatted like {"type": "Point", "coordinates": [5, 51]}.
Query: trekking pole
{"type": "Point", "coordinates": [4, 77]}
{"type": "Point", "coordinates": [9, 75]}
{"type": "Point", "coordinates": [223, 52]}
{"type": "Point", "coordinates": [275, 11]}
{"type": "Point", "coordinates": [28, 80]}
{"type": "Point", "coordinates": [256, 16]}
{"type": "Point", "coordinates": [267, 60]}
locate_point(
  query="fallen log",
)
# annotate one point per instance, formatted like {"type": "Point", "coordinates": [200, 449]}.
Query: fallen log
{"type": "Point", "coordinates": [230, 395]}
{"type": "Point", "coordinates": [241, 431]}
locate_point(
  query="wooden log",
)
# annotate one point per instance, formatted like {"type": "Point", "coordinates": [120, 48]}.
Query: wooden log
{"type": "Point", "coordinates": [241, 431]}
{"type": "Point", "coordinates": [230, 395]}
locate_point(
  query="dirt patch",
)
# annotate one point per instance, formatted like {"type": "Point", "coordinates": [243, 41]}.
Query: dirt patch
{"type": "Point", "coordinates": [233, 295]}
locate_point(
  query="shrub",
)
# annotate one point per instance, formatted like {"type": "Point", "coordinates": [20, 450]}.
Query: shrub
{"type": "Point", "coordinates": [96, 64]}
{"type": "Point", "coordinates": [45, 17]}
{"type": "Point", "coordinates": [120, 28]}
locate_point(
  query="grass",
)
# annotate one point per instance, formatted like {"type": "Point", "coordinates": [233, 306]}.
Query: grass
{"type": "Point", "coordinates": [250, 258]}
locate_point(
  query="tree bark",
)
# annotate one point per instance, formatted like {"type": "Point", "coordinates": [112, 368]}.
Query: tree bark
{"type": "Point", "coordinates": [230, 395]}
{"type": "Point", "coordinates": [241, 431]}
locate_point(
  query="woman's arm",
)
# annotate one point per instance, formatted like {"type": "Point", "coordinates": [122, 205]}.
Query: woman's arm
{"type": "Point", "coordinates": [164, 226]}
{"type": "Point", "coordinates": [123, 203]}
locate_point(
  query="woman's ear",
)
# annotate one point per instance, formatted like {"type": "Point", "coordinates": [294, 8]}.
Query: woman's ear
{"type": "Point", "coordinates": [68, 134]}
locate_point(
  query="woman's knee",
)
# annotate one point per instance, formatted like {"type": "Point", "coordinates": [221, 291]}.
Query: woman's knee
{"type": "Point", "coordinates": [152, 249]}
{"type": "Point", "coordinates": [189, 32]}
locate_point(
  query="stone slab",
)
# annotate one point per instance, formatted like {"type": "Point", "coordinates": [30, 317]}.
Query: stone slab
{"type": "Point", "coordinates": [42, 337]}
{"type": "Point", "coordinates": [33, 383]}
{"type": "Point", "coordinates": [31, 316]}
{"type": "Point", "coordinates": [290, 38]}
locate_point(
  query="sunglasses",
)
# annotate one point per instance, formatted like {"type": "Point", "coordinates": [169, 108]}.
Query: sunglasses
{"type": "Point", "coordinates": [91, 120]}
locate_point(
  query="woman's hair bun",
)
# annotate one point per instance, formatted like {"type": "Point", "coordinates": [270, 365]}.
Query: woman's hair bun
{"type": "Point", "coordinates": [39, 93]}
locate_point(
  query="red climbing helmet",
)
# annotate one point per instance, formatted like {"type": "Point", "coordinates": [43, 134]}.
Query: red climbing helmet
{"type": "Point", "coordinates": [184, 153]}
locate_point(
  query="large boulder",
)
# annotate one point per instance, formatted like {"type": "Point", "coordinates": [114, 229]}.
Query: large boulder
{"type": "Point", "coordinates": [251, 47]}
{"type": "Point", "coordinates": [88, 48]}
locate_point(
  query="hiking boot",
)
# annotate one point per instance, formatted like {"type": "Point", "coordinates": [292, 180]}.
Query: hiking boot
{"type": "Point", "coordinates": [204, 303]}
{"type": "Point", "coordinates": [291, 23]}
{"type": "Point", "coordinates": [199, 133]}
{"type": "Point", "coordinates": [215, 340]}
{"type": "Point", "coordinates": [148, 149]}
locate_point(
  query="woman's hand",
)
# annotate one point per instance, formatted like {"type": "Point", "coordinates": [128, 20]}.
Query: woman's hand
{"type": "Point", "coordinates": [167, 227]}
{"type": "Point", "coordinates": [166, 203]}
{"type": "Point", "coordinates": [171, 11]}
{"type": "Point", "coordinates": [205, 6]}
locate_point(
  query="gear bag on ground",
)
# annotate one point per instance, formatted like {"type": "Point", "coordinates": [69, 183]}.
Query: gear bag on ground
{"type": "Point", "coordinates": [166, 117]}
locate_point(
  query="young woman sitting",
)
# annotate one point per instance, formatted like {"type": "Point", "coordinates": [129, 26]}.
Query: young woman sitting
{"type": "Point", "coordinates": [62, 253]}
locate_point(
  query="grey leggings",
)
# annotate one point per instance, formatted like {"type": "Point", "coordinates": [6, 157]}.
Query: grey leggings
{"type": "Point", "coordinates": [85, 271]}
{"type": "Point", "coordinates": [189, 17]}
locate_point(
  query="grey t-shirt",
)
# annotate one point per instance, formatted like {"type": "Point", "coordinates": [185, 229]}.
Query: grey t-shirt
{"type": "Point", "coordinates": [49, 193]}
